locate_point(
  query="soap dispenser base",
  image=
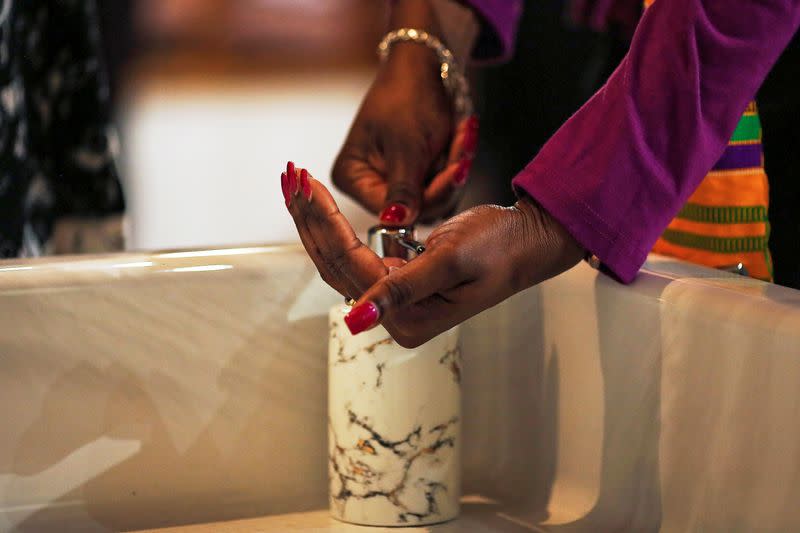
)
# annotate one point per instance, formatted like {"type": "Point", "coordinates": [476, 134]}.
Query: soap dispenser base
{"type": "Point", "coordinates": [394, 428]}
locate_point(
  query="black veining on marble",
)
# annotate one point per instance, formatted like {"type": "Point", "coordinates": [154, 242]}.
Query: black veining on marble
{"type": "Point", "coordinates": [431, 488]}
{"type": "Point", "coordinates": [379, 380]}
{"type": "Point", "coordinates": [399, 447]}
{"type": "Point", "coordinates": [342, 358]}
{"type": "Point", "coordinates": [452, 360]}
{"type": "Point", "coordinates": [357, 480]}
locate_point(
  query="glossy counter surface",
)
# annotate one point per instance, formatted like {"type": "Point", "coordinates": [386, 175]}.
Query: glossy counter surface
{"type": "Point", "coordinates": [150, 390]}
{"type": "Point", "coordinates": [478, 515]}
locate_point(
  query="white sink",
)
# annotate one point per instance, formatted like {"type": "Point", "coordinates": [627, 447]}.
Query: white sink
{"type": "Point", "coordinates": [148, 390]}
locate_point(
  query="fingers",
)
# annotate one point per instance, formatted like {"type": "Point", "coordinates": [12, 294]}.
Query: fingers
{"type": "Point", "coordinates": [359, 180]}
{"type": "Point", "coordinates": [463, 149]}
{"type": "Point", "coordinates": [443, 193]}
{"type": "Point", "coordinates": [421, 278]}
{"type": "Point", "coordinates": [406, 196]}
{"type": "Point", "coordinates": [290, 188]}
{"type": "Point", "coordinates": [405, 178]}
{"type": "Point", "coordinates": [465, 141]}
{"type": "Point", "coordinates": [389, 179]}
{"type": "Point", "coordinates": [342, 260]}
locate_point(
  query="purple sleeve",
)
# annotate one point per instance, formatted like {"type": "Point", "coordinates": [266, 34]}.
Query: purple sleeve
{"type": "Point", "coordinates": [621, 168]}
{"type": "Point", "coordinates": [498, 28]}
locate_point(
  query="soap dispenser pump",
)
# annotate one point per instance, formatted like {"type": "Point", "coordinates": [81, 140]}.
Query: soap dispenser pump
{"type": "Point", "coordinates": [393, 417]}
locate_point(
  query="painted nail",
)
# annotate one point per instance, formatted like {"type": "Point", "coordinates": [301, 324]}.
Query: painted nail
{"type": "Point", "coordinates": [462, 173]}
{"type": "Point", "coordinates": [394, 214]}
{"type": "Point", "coordinates": [291, 171]}
{"type": "Point", "coordinates": [362, 317]}
{"type": "Point", "coordinates": [285, 189]}
{"type": "Point", "coordinates": [305, 184]}
{"type": "Point", "coordinates": [473, 123]}
{"type": "Point", "coordinates": [471, 136]}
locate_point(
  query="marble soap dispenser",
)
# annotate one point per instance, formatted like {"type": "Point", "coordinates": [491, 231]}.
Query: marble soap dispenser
{"type": "Point", "coordinates": [393, 418]}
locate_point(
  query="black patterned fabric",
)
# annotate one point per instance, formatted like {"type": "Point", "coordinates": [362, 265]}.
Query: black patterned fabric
{"type": "Point", "coordinates": [56, 146]}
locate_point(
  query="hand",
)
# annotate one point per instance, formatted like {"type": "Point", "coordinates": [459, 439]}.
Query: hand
{"type": "Point", "coordinates": [472, 262]}
{"type": "Point", "coordinates": [343, 261]}
{"type": "Point", "coordinates": [404, 158]}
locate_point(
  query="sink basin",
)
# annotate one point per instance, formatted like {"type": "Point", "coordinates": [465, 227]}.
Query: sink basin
{"type": "Point", "coordinates": [147, 390]}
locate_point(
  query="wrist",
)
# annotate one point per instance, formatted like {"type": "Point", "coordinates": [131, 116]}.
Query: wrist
{"type": "Point", "coordinates": [411, 60]}
{"type": "Point", "coordinates": [454, 22]}
{"type": "Point", "coordinates": [450, 72]}
{"type": "Point", "coordinates": [547, 248]}
{"type": "Point", "coordinates": [420, 15]}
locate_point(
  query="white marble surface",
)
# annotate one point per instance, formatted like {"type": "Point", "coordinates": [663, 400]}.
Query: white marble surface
{"type": "Point", "coordinates": [150, 390]}
{"type": "Point", "coordinates": [394, 419]}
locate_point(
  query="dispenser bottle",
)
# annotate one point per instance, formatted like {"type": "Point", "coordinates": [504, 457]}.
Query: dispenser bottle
{"type": "Point", "coordinates": [393, 418]}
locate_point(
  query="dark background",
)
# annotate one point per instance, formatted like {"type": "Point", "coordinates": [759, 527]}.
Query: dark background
{"type": "Point", "coordinates": [555, 70]}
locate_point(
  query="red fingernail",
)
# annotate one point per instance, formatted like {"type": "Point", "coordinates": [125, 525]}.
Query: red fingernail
{"type": "Point", "coordinates": [285, 189]}
{"type": "Point", "coordinates": [362, 317]}
{"type": "Point", "coordinates": [471, 137]}
{"type": "Point", "coordinates": [292, 174]}
{"type": "Point", "coordinates": [394, 214]}
{"type": "Point", "coordinates": [305, 184]}
{"type": "Point", "coordinates": [462, 173]}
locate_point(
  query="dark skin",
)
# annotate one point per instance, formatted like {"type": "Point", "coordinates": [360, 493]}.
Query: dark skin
{"type": "Point", "coordinates": [405, 145]}
{"type": "Point", "coordinates": [473, 261]}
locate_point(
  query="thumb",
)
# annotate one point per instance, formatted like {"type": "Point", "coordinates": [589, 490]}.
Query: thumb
{"type": "Point", "coordinates": [420, 278]}
{"type": "Point", "coordinates": [404, 190]}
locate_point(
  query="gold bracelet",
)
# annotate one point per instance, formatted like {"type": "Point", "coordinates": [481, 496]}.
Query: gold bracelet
{"type": "Point", "coordinates": [452, 76]}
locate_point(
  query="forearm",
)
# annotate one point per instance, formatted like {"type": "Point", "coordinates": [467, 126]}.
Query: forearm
{"type": "Point", "coordinates": [618, 171]}
{"type": "Point", "coordinates": [455, 24]}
